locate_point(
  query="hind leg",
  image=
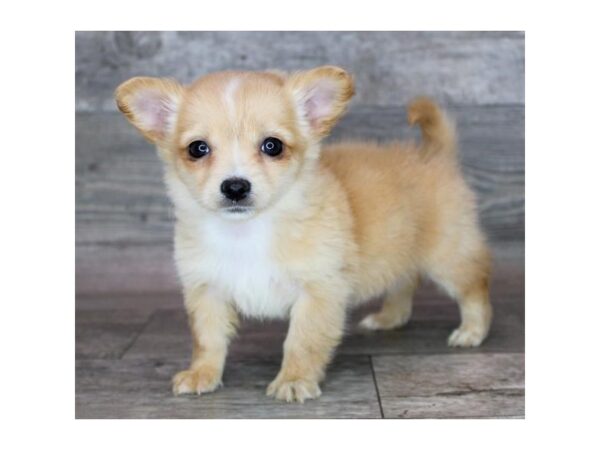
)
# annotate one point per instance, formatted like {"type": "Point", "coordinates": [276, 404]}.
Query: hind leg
{"type": "Point", "coordinates": [396, 308]}
{"type": "Point", "coordinates": [467, 280]}
{"type": "Point", "coordinates": [476, 317]}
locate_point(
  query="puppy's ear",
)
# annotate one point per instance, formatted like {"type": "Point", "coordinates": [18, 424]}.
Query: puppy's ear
{"type": "Point", "coordinates": [150, 104]}
{"type": "Point", "coordinates": [321, 96]}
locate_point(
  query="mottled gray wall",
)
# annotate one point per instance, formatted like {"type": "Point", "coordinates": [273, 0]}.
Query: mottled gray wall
{"type": "Point", "coordinates": [390, 67]}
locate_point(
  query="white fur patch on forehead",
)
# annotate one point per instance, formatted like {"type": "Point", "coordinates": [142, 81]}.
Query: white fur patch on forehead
{"type": "Point", "coordinates": [229, 96]}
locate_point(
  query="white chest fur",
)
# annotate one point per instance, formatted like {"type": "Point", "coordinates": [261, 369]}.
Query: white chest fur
{"type": "Point", "coordinates": [235, 259]}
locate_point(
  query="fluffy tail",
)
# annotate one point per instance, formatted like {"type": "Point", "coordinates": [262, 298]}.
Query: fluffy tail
{"type": "Point", "coordinates": [439, 133]}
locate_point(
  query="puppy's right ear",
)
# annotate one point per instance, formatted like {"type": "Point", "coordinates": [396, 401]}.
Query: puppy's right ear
{"type": "Point", "coordinates": [151, 105]}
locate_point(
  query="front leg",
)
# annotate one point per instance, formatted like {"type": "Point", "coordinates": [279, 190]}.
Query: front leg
{"type": "Point", "coordinates": [316, 328]}
{"type": "Point", "coordinates": [212, 322]}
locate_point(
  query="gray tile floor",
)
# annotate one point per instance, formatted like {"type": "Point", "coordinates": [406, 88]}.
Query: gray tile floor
{"type": "Point", "coordinates": [127, 349]}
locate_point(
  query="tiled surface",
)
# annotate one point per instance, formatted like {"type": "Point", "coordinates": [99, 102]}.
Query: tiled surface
{"type": "Point", "coordinates": [140, 388]}
{"type": "Point", "coordinates": [127, 351]}
{"type": "Point", "coordinates": [453, 385]}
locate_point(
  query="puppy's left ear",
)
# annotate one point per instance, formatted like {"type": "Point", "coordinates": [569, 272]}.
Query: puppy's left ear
{"type": "Point", "coordinates": [321, 96]}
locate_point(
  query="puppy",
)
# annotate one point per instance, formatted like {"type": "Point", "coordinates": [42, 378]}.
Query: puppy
{"type": "Point", "coordinates": [272, 225]}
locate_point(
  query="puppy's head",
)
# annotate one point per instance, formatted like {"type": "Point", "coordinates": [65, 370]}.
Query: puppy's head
{"type": "Point", "coordinates": [238, 140]}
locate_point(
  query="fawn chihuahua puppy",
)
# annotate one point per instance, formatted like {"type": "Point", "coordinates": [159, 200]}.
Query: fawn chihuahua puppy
{"type": "Point", "coordinates": [270, 224]}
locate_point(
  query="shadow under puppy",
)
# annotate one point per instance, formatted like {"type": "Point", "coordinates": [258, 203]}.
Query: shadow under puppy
{"type": "Point", "coordinates": [270, 224]}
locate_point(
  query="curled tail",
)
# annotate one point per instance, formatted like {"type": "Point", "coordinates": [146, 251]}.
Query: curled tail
{"type": "Point", "coordinates": [439, 133]}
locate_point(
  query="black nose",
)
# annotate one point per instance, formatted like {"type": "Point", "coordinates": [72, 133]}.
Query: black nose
{"type": "Point", "coordinates": [235, 188]}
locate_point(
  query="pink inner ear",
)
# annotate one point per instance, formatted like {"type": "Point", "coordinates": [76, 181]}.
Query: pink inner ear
{"type": "Point", "coordinates": [319, 102]}
{"type": "Point", "coordinates": [155, 111]}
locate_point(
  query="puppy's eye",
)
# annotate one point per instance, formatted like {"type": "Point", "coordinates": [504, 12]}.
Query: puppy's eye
{"type": "Point", "coordinates": [272, 146]}
{"type": "Point", "coordinates": [198, 149]}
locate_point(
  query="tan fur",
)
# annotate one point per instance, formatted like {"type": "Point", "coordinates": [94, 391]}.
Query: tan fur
{"type": "Point", "coordinates": [343, 223]}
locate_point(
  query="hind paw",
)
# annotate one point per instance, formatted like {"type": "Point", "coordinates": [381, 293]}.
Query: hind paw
{"type": "Point", "coordinates": [466, 337]}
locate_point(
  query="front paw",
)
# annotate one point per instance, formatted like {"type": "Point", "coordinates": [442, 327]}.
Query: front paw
{"type": "Point", "coordinates": [293, 390]}
{"type": "Point", "coordinates": [196, 381]}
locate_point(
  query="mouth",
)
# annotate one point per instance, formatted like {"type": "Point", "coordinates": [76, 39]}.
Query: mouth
{"type": "Point", "coordinates": [237, 209]}
{"type": "Point", "coordinates": [233, 207]}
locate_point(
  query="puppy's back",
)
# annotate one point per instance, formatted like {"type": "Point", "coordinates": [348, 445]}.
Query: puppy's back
{"type": "Point", "coordinates": [402, 194]}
